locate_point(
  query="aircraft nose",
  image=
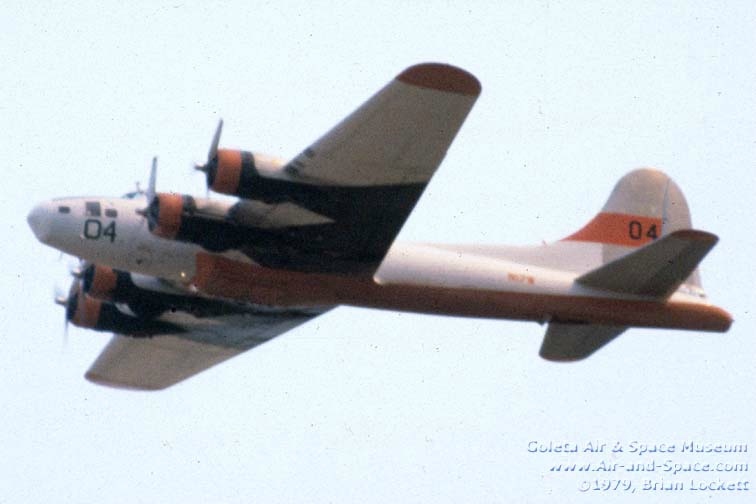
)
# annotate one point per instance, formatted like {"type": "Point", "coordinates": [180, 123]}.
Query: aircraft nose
{"type": "Point", "coordinates": [40, 221]}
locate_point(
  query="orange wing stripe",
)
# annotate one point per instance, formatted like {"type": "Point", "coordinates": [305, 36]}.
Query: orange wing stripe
{"type": "Point", "coordinates": [619, 229]}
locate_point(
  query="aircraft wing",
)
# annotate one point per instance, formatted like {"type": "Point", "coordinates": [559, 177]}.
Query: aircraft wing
{"type": "Point", "coordinates": [398, 137]}
{"type": "Point", "coordinates": [157, 362]}
{"type": "Point", "coordinates": [367, 173]}
{"type": "Point", "coordinates": [570, 342]}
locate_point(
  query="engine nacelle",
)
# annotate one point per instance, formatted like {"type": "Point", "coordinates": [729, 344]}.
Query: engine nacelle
{"type": "Point", "coordinates": [179, 217]}
{"type": "Point", "coordinates": [106, 284]}
{"type": "Point", "coordinates": [85, 311]}
{"type": "Point", "coordinates": [147, 297]}
{"type": "Point", "coordinates": [166, 212]}
{"type": "Point", "coordinates": [247, 175]}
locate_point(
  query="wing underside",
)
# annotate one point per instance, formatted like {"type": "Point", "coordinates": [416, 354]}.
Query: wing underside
{"type": "Point", "coordinates": [154, 363]}
{"type": "Point", "coordinates": [157, 362]}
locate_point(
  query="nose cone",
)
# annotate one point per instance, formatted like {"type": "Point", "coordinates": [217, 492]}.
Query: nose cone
{"type": "Point", "coordinates": [40, 221]}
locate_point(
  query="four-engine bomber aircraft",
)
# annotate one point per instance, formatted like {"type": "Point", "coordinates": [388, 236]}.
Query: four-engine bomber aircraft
{"type": "Point", "coordinates": [185, 282]}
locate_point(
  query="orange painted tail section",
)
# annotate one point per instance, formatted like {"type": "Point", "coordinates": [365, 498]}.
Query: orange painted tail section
{"type": "Point", "coordinates": [644, 206]}
{"type": "Point", "coordinates": [626, 230]}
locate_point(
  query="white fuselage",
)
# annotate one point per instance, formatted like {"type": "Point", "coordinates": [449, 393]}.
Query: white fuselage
{"type": "Point", "coordinates": [532, 283]}
{"type": "Point", "coordinates": [112, 232]}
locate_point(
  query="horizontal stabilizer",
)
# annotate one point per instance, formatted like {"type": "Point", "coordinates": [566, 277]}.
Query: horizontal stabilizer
{"type": "Point", "coordinates": [570, 342]}
{"type": "Point", "coordinates": [657, 269]}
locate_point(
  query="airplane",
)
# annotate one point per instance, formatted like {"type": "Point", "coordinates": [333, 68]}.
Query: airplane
{"type": "Point", "coordinates": [186, 282]}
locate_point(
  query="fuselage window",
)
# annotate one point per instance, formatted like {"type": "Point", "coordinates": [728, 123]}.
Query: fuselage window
{"type": "Point", "coordinates": [93, 208]}
{"type": "Point", "coordinates": [110, 212]}
{"type": "Point", "coordinates": [64, 209]}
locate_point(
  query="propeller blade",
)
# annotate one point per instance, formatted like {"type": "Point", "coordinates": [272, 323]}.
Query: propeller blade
{"type": "Point", "coordinates": [153, 178]}
{"type": "Point", "coordinates": [60, 298]}
{"type": "Point", "coordinates": [66, 303]}
{"type": "Point", "coordinates": [151, 190]}
{"type": "Point", "coordinates": [212, 158]}
{"type": "Point", "coordinates": [65, 333]}
{"type": "Point", "coordinates": [213, 152]}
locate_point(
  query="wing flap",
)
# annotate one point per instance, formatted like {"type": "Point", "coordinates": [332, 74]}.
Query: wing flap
{"type": "Point", "coordinates": [657, 269]}
{"type": "Point", "coordinates": [565, 342]}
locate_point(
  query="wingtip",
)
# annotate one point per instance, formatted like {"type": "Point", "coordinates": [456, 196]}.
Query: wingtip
{"type": "Point", "coordinates": [98, 379]}
{"type": "Point", "coordinates": [441, 77]}
{"type": "Point", "coordinates": [561, 358]}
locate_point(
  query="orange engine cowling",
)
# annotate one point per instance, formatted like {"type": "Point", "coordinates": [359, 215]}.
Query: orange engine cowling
{"type": "Point", "coordinates": [165, 212]}
{"type": "Point", "coordinates": [101, 282]}
{"type": "Point", "coordinates": [85, 311]}
{"type": "Point", "coordinates": [245, 174]}
{"type": "Point", "coordinates": [177, 217]}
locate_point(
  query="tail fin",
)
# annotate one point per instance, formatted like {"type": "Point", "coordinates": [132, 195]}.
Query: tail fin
{"type": "Point", "coordinates": [645, 205]}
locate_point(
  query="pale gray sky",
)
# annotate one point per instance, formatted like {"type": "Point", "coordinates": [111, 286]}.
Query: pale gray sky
{"type": "Point", "coordinates": [362, 405]}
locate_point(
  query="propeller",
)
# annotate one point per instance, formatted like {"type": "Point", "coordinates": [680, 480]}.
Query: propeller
{"type": "Point", "coordinates": [69, 303]}
{"type": "Point", "coordinates": [150, 193]}
{"type": "Point", "coordinates": [152, 211]}
{"type": "Point", "coordinates": [153, 177]}
{"type": "Point", "coordinates": [77, 268]}
{"type": "Point", "coordinates": [212, 155]}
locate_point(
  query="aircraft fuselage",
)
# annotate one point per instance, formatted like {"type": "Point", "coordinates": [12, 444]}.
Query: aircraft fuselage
{"type": "Point", "coordinates": [426, 278]}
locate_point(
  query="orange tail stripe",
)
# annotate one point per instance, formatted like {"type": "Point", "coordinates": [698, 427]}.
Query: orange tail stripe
{"type": "Point", "coordinates": [619, 229]}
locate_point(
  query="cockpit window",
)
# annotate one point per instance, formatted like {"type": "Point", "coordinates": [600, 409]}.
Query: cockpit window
{"type": "Point", "coordinates": [64, 209]}
{"type": "Point", "coordinates": [111, 212]}
{"type": "Point", "coordinates": [93, 208]}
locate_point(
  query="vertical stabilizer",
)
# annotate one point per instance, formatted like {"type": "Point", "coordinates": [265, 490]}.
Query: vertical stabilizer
{"type": "Point", "coordinates": [645, 205]}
